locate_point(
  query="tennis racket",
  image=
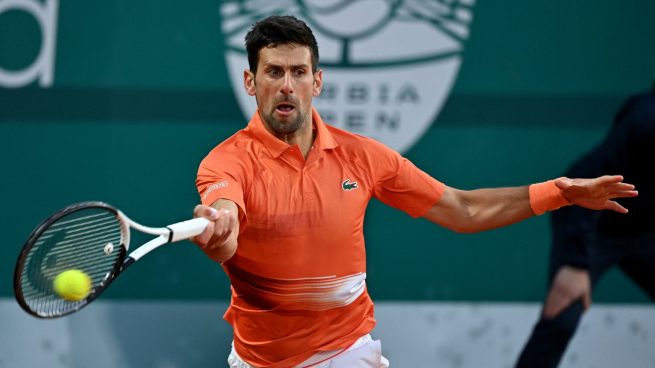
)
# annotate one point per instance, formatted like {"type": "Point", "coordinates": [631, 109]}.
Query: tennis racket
{"type": "Point", "coordinates": [93, 237]}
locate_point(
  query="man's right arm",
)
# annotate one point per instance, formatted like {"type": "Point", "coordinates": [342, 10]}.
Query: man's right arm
{"type": "Point", "coordinates": [219, 240]}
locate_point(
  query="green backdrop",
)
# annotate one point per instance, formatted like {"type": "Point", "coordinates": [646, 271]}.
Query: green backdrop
{"type": "Point", "coordinates": [141, 94]}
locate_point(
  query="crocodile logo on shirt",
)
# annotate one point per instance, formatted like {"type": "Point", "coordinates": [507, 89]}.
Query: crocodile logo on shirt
{"type": "Point", "coordinates": [347, 185]}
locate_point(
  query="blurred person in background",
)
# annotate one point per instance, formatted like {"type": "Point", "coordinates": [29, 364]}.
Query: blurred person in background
{"type": "Point", "coordinates": [586, 244]}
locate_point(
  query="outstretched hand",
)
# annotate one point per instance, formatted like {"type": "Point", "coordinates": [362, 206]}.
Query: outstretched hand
{"type": "Point", "coordinates": [597, 193]}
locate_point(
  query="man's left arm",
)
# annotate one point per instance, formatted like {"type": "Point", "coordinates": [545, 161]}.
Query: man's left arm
{"type": "Point", "coordinates": [483, 209]}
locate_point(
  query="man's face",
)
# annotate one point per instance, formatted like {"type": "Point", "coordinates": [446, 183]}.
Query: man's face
{"type": "Point", "coordinates": [284, 87]}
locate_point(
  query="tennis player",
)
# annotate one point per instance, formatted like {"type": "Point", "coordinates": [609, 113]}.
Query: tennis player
{"type": "Point", "coordinates": [287, 197]}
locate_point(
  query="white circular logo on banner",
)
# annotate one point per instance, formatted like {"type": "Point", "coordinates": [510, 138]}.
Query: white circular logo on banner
{"type": "Point", "coordinates": [388, 64]}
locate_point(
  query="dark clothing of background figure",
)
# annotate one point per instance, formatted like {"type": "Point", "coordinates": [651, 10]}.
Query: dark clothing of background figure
{"type": "Point", "coordinates": [599, 240]}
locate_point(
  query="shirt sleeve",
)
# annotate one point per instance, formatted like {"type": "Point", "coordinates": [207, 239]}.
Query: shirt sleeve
{"type": "Point", "coordinates": [221, 176]}
{"type": "Point", "coordinates": [402, 185]}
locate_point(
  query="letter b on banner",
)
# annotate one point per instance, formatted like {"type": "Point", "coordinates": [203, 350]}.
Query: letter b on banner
{"type": "Point", "coordinates": [42, 69]}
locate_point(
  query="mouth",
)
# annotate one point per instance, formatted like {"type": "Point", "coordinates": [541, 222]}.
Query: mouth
{"type": "Point", "coordinates": [284, 108]}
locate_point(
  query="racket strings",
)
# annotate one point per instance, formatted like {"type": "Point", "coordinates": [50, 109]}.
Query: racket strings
{"type": "Point", "coordinates": [89, 240]}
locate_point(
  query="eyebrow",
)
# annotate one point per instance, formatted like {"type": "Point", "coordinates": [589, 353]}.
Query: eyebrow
{"type": "Point", "coordinates": [295, 66]}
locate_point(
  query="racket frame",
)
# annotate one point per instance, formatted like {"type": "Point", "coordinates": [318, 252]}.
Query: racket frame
{"type": "Point", "coordinates": [171, 233]}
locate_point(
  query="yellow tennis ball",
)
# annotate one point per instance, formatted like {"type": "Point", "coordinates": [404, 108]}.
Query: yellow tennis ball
{"type": "Point", "coordinates": [72, 285]}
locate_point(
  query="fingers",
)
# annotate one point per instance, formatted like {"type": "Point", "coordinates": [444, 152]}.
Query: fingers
{"type": "Point", "coordinates": [625, 194]}
{"type": "Point", "coordinates": [203, 239]}
{"type": "Point", "coordinates": [597, 193]}
{"type": "Point", "coordinates": [223, 226]}
{"type": "Point", "coordinates": [621, 187]}
{"type": "Point", "coordinates": [615, 187]}
{"type": "Point", "coordinates": [620, 190]}
{"type": "Point", "coordinates": [207, 212]}
{"type": "Point", "coordinates": [615, 206]}
{"type": "Point", "coordinates": [609, 179]}
{"type": "Point", "coordinates": [218, 230]}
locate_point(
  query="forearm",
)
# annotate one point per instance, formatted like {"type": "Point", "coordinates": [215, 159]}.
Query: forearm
{"type": "Point", "coordinates": [481, 209]}
{"type": "Point", "coordinates": [498, 207]}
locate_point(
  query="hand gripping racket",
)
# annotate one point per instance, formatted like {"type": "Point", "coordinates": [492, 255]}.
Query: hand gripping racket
{"type": "Point", "coordinates": [93, 237]}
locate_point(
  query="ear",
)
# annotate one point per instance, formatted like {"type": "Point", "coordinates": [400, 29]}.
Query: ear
{"type": "Point", "coordinates": [318, 83]}
{"type": "Point", "coordinates": [249, 82]}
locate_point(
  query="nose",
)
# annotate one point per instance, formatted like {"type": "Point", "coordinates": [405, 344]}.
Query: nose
{"type": "Point", "coordinates": [287, 87]}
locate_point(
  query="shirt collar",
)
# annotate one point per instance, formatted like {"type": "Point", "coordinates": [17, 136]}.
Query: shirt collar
{"type": "Point", "coordinates": [276, 147]}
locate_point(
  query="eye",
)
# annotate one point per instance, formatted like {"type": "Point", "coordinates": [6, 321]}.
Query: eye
{"type": "Point", "coordinates": [300, 72]}
{"type": "Point", "coordinates": [275, 72]}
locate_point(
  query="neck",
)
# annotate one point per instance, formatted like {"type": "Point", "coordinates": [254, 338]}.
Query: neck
{"type": "Point", "coordinates": [303, 137]}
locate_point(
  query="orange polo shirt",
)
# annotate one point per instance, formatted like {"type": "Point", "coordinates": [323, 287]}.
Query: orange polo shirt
{"type": "Point", "coordinates": [298, 273]}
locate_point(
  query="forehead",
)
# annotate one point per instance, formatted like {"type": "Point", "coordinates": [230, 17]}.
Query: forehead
{"type": "Point", "coordinates": [286, 54]}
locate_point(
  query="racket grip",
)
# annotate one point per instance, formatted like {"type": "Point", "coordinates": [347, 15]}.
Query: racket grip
{"type": "Point", "coordinates": [188, 229]}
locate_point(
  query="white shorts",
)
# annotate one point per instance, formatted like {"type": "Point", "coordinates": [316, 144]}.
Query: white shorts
{"type": "Point", "coordinates": [364, 353]}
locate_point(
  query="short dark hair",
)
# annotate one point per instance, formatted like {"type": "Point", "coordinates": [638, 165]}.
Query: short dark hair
{"type": "Point", "coordinates": [279, 30]}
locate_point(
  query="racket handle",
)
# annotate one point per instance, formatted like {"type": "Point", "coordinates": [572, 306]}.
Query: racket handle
{"type": "Point", "coordinates": [188, 229]}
